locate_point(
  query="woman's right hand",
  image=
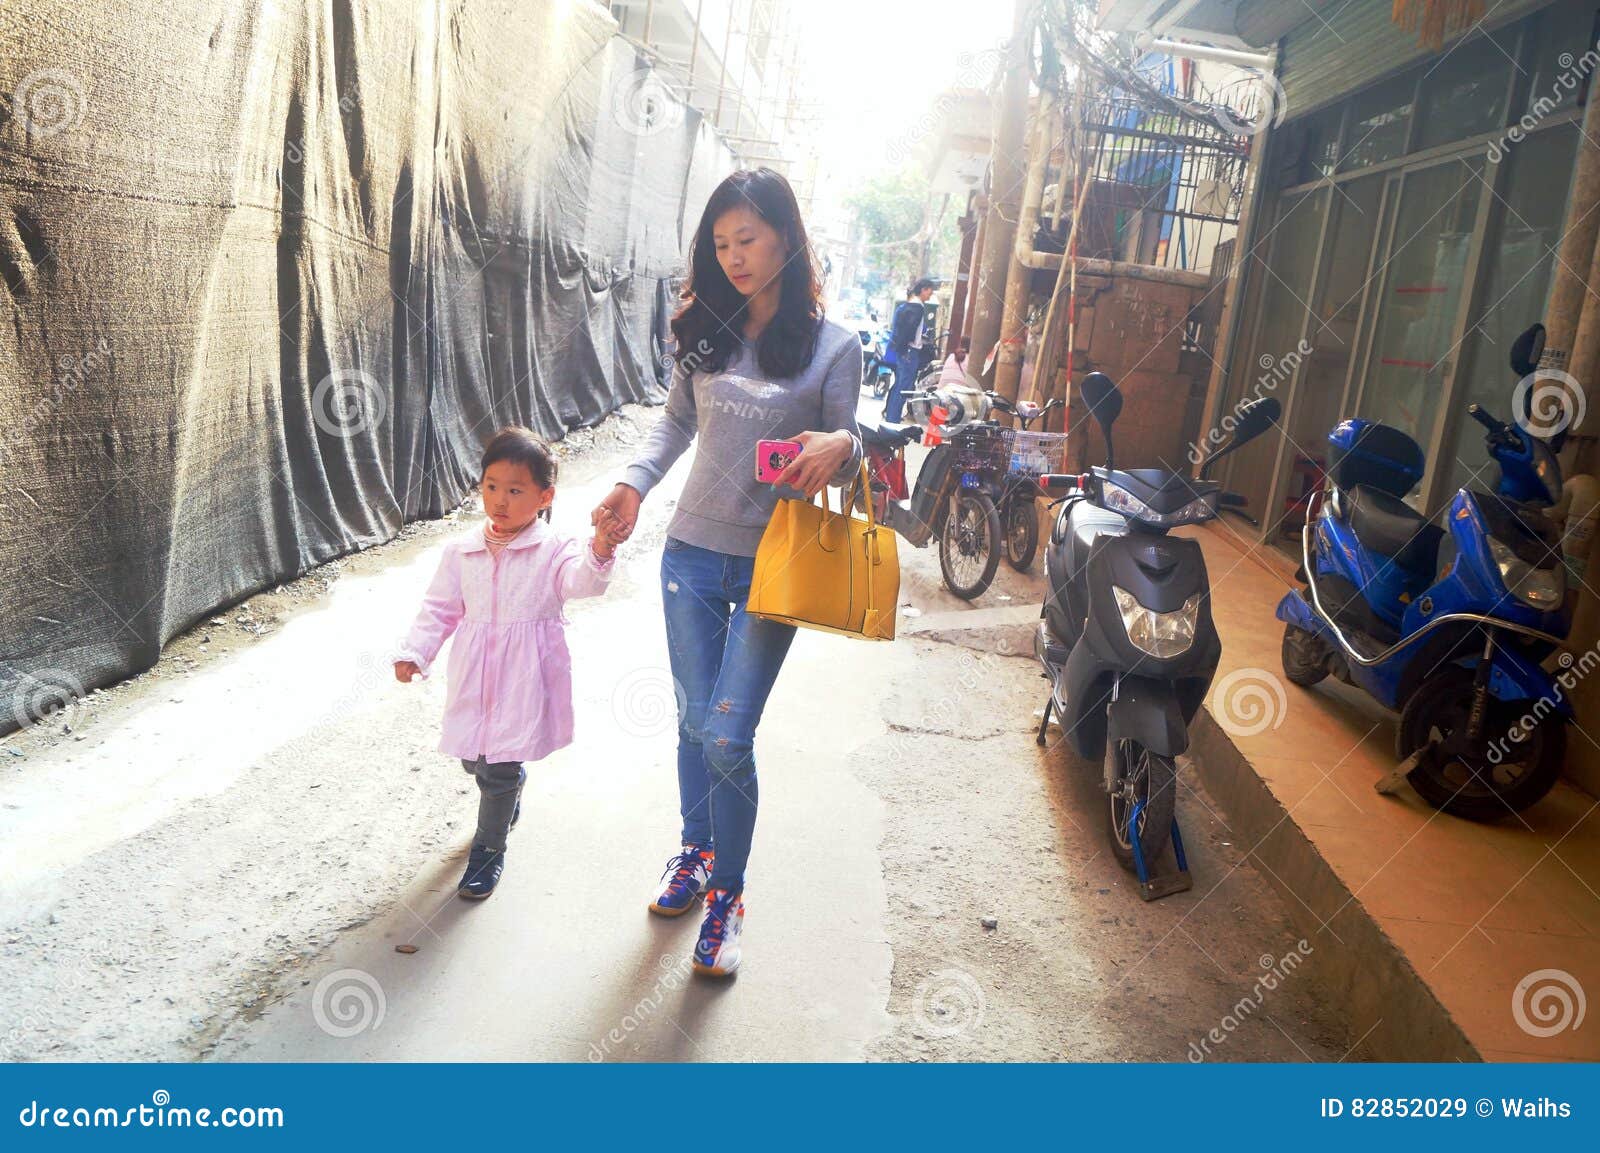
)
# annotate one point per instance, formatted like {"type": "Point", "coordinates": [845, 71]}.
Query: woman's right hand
{"type": "Point", "coordinates": [621, 505]}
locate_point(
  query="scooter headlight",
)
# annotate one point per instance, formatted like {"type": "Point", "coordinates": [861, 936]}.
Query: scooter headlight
{"type": "Point", "coordinates": [1161, 635]}
{"type": "Point", "coordinates": [1120, 500]}
{"type": "Point", "coordinates": [1543, 589]}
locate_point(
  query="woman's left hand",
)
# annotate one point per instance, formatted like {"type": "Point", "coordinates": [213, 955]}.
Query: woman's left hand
{"type": "Point", "coordinates": [822, 454]}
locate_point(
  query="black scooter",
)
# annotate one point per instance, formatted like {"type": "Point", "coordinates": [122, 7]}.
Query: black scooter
{"type": "Point", "coordinates": [1126, 636]}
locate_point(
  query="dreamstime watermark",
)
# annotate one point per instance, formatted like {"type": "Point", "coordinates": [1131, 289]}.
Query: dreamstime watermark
{"type": "Point", "coordinates": [47, 101]}
{"type": "Point", "coordinates": [1248, 702]}
{"type": "Point", "coordinates": [973, 70]}
{"type": "Point", "coordinates": [1573, 71]}
{"type": "Point", "coordinates": [674, 975]}
{"type": "Point", "coordinates": [347, 1002]}
{"type": "Point", "coordinates": [1270, 107]}
{"type": "Point", "coordinates": [948, 1003]}
{"type": "Point", "coordinates": [295, 150]}
{"type": "Point", "coordinates": [647, 701]}
{"type": "Point", "coordinates": [1547, 1002]}
{"type": "Point", "coordinates": [1573, 670]}
{"type": "Point", "coordinates": [975, 671]}
{"type": "Point", "coordinates": [1275, 371]}
{"type": "Point", "coordinates": [73, 371]}
{"type": "Point", "coordinates": [160, 1113]}
{"type": "Point", "coordinates": [1277, 971]}
{"type": "Point", "coordinates": [689, 362]}
{"type": "Point", "coordinates": [66, 977]}
{"type": "Point", "coordinates": [348, 402]}
{"type": "Point", "coordinates": [1548, 401]}
{"type": "Point", "coordinates": [47, 696]}
{"type": "Point", "coordinates": [644, 105]}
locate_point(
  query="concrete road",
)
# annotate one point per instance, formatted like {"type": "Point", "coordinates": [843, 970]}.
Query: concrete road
{"type": "Point", "coordinates": [905, 809]}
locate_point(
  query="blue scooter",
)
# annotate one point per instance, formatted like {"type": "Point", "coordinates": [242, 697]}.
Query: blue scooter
{"type": "Point", "coordinates": [1449, 629]}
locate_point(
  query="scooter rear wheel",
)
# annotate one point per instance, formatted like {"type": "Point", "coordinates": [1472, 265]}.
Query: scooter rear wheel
{"type": "Point", "coordinates": [969, 545]}
{"type": "Point", "coordinates": [1305, 657]}
{"type": "Point", "coordinates": [1504, 774]}
{"type": "Point", "coordinates": [1148, 777]}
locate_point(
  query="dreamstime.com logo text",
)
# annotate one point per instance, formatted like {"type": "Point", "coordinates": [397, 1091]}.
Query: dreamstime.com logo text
{"type": "Point", "coordinates": [160, 1113]}
{"type": "Point", "coordinates": [1274, 371]}
{"type": "Point", "coordinates": [1572, 671]}
{"type": "Point", "coordinates": [1573, 72]}
{"type": "Point", "coordinates": [1276, 972]}
{"type": "Point", "coordinates": [674, 975]}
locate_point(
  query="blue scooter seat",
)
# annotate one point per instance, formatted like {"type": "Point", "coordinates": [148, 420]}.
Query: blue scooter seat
{"type": "Point", "coordinates": [1392, 528]}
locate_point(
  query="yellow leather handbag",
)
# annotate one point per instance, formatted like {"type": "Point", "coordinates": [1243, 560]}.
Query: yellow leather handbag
{"type": "Point", "coordinates": [826, 570]}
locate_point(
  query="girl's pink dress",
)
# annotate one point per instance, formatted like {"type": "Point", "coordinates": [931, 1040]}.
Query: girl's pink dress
{"type": "Point", "coordinates": [509, 696]}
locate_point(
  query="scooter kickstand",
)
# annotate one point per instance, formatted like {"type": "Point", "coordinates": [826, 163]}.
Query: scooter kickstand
{"type": "Point", "coordinates": [1044, 721]}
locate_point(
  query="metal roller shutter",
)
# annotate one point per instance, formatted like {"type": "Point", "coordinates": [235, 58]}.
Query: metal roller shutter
{"type": "Point", "coordinates": [1358, 44]}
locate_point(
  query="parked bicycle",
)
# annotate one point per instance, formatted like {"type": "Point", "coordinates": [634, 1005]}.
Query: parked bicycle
{"type": "Point", "coordinates": [965, 481]}
{"type": "Point", "coordinates": [1029, 455]}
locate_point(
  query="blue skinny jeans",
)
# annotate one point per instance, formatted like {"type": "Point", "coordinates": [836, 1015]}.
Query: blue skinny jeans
{"type": "Point", "coordinates": [725, 663]}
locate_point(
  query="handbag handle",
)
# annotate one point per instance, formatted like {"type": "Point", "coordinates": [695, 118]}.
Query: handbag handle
{"type": "Point", "coordinates": [870, 620]}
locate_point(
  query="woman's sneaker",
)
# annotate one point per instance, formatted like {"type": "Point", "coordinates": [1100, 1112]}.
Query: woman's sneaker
{"type": "Point", "coordinates": [717, 952]}
{"type": "Point", "coordinates": [686, 875]}
{"type": "Point", "coordinates": [483, 873]}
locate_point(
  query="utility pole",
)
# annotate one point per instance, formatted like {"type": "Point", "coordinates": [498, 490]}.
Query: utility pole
{"type": "Point", "coordinates": [1005, 186]}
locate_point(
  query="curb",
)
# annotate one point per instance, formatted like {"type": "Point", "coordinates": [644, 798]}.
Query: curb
{"type": "Point", "coordinates": [1367, 974]}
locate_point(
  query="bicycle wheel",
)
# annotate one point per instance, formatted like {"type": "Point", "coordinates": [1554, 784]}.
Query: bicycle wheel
{"type": "Point", "coordinates": [969, 545]}
{"type": "Point", "coordinates": [1021, 523]}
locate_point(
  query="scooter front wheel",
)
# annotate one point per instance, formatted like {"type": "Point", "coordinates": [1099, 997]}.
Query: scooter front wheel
{"type": "Point", "coordinates": [1305, 656]}
{"type": "Point", "coordinates": [969, 545]}
{"type": "Point", "coordinates": [1140, 776]}
{"type": "Point", "coordinates": [1514, 763]}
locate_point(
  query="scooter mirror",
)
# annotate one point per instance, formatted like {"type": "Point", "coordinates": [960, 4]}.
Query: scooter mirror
{"type": "Point", "coordinates": [1255, 417]}
{"type": "Point", "coordinates": [1103, 398]}
{"type": "Point", "coordinates": [1527, 349]}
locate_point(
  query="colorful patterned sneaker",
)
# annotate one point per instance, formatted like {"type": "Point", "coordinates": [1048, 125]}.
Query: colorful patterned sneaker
{"type": "Point", "coordinates": [685, 875]}
{"type": "Point", "coordinates": [483, 873]}
{"type": "Point", "coordinates": [717, 952]}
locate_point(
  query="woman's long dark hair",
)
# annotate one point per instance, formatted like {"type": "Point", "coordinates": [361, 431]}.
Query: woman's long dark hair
{"type": "Point", "coordinates": [708, 326]}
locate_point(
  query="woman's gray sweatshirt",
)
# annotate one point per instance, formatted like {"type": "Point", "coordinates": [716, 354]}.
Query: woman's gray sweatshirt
{"type": "Point", "coordinates": [723, 506]}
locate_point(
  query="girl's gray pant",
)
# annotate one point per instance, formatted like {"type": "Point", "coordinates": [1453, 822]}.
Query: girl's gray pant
{"type": "Point", "coordinates": [499, 786]}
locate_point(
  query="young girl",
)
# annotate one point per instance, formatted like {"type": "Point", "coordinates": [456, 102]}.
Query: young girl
{"type": "Point", "coordinates": [501, 591]}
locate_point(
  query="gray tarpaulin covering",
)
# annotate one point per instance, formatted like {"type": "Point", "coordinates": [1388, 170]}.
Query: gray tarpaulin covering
{"type": "Point", "coordinates": [272, 271]}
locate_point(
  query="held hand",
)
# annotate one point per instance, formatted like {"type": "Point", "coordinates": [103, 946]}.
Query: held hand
{"type": "Point", "coordinates": [406, 671]}
{"type": "Point", "coordinates": [617, 514]}
{"type": "Point", "coordinates": [821, 455]}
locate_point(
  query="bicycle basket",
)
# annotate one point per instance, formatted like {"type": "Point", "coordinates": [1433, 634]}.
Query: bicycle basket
{"type": "Point", "coordinates": [981, 448]}
{"type": "Point", "coordinates": [1034, 454]}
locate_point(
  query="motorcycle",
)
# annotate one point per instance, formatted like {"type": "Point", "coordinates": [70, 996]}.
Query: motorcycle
{"type": "Point", "coordinates": [952, 501]}
{"type": "Point", "coordinates": [1448, 630]}
{"type": "Point", "coordinates": [876, 373]}
{"type": "Point", "coordinates": [1126, 637]}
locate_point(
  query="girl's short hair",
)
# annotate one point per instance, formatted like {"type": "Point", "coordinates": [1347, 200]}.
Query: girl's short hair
{"type": "Point", "coordinates": [517, 445]}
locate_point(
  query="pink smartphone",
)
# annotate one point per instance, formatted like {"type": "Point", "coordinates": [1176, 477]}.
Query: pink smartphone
{"type": "Point", "coordinates": [773, 456]}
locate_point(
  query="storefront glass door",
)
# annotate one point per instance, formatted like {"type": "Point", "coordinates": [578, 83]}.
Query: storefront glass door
{"type": "Point", "coordinates": [1423, 282]}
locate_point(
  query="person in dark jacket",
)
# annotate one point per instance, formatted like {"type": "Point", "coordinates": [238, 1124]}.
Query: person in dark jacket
{"type": "Point", "coordinates": [905, 336]}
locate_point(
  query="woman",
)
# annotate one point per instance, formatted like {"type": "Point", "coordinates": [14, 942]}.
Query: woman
{"type": "Point", "coordinates": [755, 361]}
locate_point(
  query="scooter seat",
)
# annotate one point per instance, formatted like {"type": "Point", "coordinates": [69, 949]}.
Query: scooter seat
{"type": "Point", "coordinates": [1392, 528]}
{"type": "Point", "coordinates": [889, 435]}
